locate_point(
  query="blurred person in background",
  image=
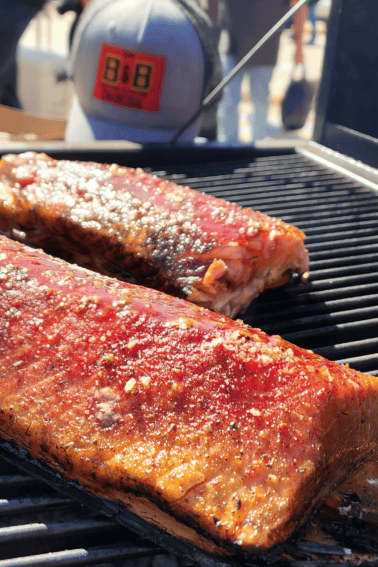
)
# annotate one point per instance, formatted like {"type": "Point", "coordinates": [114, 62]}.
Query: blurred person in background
{"type": "Point", "coordinates": [308, 12]}
{"type": "Point", "coordinates": [245, 23]}
{"type": "Point", "coordinates": [299, 20]}
{"type": "Point", "coordinates": [312, 18]}
{"type": "Point", "coordinates": [15, 17]}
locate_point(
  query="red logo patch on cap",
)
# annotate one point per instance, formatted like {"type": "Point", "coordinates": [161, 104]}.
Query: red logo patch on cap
{"type": "Point", "coordinates": [129, 78]}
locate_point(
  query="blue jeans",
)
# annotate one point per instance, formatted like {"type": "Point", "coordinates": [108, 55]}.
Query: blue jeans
{"type": "Point", "coordinates": [14, 19]}
{"type": "Point", "coordinates": [228, 115]}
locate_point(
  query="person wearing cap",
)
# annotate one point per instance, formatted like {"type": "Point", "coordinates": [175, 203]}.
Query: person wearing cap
{"type": "Point", "coordinates": [141, 69]}
{"type": "Point", "coordinates": [247, 21]}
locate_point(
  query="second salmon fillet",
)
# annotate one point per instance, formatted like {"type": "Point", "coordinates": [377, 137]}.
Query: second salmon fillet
{"type": "Point", "coordinates": [213, 431]}
{"type": "Point", "coordinates": [129, 224]}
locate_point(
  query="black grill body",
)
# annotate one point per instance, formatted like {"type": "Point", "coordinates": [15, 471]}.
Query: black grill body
{"type": "Point", "coordinates": [329, 189]}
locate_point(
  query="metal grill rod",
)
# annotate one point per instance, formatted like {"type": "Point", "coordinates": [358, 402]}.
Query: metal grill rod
{"type": "Point", "coordinates": [329, 227]}
{"type": "Point", "coordinates": [366, 363]}
{"type": "Point", "coordinates": [362, 277]}
{"type": "Point", "coordinates": [322, 321]}
{"type": "Point", "coordinates": [14, 534]}
{"type": "Point", "coordinates": [342, 329]}
{"type": "Point", "coordinates": [342, 252]}
{"type": "Point", "coordinates": [16, 480]}
{"type": "Point", "coordinates": [312, 208]}
{"type": "Point", "coordinates": [333, 263]}
{"type": "Point", "coordinates": [324, 307]}
{"type": "Point", "coordinates": [81, 557]}
{"type": "Point", "coordinates": [303, 216]}
{"type": "Point", "coordinates": [24, 505]}
{"type": "Point", "coordinates": [341, 271]}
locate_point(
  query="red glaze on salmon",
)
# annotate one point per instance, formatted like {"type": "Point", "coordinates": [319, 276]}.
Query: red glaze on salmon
{"type": "Point", "coordinates": [210, 429]}
{"type": "Point", "coordinates": [119, 220]}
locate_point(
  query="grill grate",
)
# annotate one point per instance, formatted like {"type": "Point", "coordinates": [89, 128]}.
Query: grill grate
{"type": "Point", "coordinates": [334, 314]}
{"type": "Point", "coordinates": [38, 528]}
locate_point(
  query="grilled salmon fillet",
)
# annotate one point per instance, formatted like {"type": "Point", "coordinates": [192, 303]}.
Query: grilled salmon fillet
{"type": "Point", "coordinates": [205, 427]}
{"type": "Point", "coordinates": [132, 225]}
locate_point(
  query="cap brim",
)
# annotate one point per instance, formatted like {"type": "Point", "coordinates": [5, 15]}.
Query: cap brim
{"type": "Point", "coordinates": [82, 128]}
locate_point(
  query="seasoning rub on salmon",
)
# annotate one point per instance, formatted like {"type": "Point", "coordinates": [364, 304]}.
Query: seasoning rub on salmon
{"type": "Point", "coordinates": [127, 223]}
{"type": "Point", "coordinates": [212, 430]}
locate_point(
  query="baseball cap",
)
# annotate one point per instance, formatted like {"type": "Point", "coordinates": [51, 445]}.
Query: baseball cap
{"type": "Point", "coordinates": [141, 69]}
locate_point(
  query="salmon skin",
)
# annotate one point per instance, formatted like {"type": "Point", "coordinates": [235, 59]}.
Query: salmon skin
{"type": "Point", "coordinates": [129, 224]}
{"type": "Point", "coordinates": [211, 430]}
{"type": "Point", "coordinates": [357, 496]}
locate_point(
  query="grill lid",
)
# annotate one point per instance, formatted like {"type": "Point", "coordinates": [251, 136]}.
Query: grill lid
{"type": "Point", "coordinates": [346, 112]}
